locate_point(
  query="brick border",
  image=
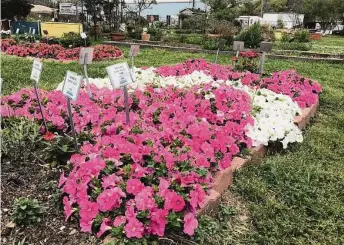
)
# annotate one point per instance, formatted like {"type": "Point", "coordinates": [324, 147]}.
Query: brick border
{"type": "Point", "coordinates": [224, 179]}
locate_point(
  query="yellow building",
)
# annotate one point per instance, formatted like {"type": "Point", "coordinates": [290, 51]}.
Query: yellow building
{"type": "Point", "coordinates": [56, 29]}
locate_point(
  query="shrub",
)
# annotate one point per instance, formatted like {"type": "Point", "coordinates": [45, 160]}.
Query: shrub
{"type": "Point", "coordinates": [194, 39]}
{"type": "Point", "coordinates": [134, 32]}
{"type": "Point", "coordinates": [293, 46]}
{"type": "Point", "coordinates": [251, 36]}
{"type": "Point", "coordinates": [156, 34]}
{"type": "Point", "coordinates": [26, 211]}
{"type": "Point", "coordinates": [211, 44]}
{"type": "Point", "coordinates": [302, 36]}
{"type": "Point", "coordinates": [73, 40]}
{"type": "Point", "coordinates": [223, 27]}
{"type": "Point", "coordinates": [280, 24]}
{"type": "Point", "coordinates": [193, 22]}
{"type": "Point", "coordinates": [19, 137]}
{"type": "Point", "coordinates": [267, 33]}
{"type": "Point", "coordinates": [287, 37]}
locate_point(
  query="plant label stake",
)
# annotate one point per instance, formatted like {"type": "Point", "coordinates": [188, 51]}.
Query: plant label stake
{"type": "Point", "coordinates": [85, 58]}
{"type": "Point", "coordinates": [84, 36]}
{"type": "Point", "coordinates": [134, 50]}
{"type": "Point", "coordinates": [120, 76]}
{"type": "Point", "coordinates": [35, 76]}
{"type": "Point", "coordinates": [265, 47]}
{"type": "Point", "coordinates": [220, 46]}
{"type": "Point", "coordinates": [17, 31]}
{"type": "Point", "coordinates": [71, 87]}
{"type": "Point", "coordinates": [238, 46]}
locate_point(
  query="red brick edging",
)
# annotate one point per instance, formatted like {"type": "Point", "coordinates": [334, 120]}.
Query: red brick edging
{"type": "Point", "coordinates": [224, 179]}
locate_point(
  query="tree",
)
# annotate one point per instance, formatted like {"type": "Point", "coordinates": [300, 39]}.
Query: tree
{"type": "Point", "coordinates": [11, 9]}
{"type": "Point", "coordinates": [94, 8]}
{"type": "Point", "coordinates": [326, 12]}
{"type": "Point", "coordinates": [223, 9]}
{"type": "Point", "coordinates": [251, 8]}
{"type": "Point", "coordinates": [140, 5]}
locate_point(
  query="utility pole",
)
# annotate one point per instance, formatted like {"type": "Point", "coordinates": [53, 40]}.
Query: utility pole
{"type": "Point", "coordinates": [262, 9]}
{"type": "Point", "coordinates": [193, 4]}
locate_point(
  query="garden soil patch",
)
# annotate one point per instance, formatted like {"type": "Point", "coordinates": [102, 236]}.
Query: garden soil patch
{"type": "Point", "coordinates": [32, 179]}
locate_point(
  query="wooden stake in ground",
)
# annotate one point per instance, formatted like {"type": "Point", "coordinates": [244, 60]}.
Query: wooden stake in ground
{"type": "Point", "coordinates": [134, 50]}
{"type": "Point", "coordinates": [220, 46]}
{"type": "Point", "coordinates": [85, 58]}
{"type": "Point", "coordinates": [265, 47]}
{"type": "Point", "coordinates": [71, 87]}
{"type": "Point", "coordinates": [36, 71]}
{"type": "Point", "coordinates": [120, 76]}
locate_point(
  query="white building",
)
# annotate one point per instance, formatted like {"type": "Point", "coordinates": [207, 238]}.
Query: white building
{"type": "Point", "coordinates": [246, 20]}
{"type": "Point", "coordinates": [290, 20]}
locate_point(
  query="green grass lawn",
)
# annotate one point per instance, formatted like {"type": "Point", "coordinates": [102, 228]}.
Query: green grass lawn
{"type": "Point", "coordinates": [292, 197]}
{"type": "Point", "coordinates": [329, 44]}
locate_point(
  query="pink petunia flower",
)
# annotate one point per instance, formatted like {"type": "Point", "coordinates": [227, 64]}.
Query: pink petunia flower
{"type": "Point", "coordinates": [134, 228]}
{"type": "Point", "coordinates": [174, 201]}
{"type": "Point", "coordinates": [190, 224]}
{"type": "Point", "coordinates": [110, 199]}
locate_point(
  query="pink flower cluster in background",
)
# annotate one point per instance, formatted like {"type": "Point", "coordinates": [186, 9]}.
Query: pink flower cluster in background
{"type": "Point", "coordinates": [219, 72]}
{"type": "Point", "coordinates": [5, 43]}
{"type": "Point", "coordinates": [153, 174]}
{"type": "Point", "coordinates": [302, 90]}
{"type": "Point", "coordinates": [56, 51]}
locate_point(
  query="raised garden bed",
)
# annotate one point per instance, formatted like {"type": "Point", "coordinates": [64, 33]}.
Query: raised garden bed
{"type": "Point", "coordinates": [165, 161]}
{"type": "Point", "coordinates": [57, 52]}
{"type": "Point", "coordinates": [312, 57]}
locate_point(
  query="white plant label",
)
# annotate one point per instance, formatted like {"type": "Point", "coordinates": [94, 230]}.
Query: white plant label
{"type": "Point", "coordinates": [86, 56]}
{"type": "Point", "coordinates": [71, 85]}
{"type": "Point", "coordinates": [134, 50]}
{"type": "Point", "coordinates": [238, 46]}
{"type": "Point", "coordinates": [17, 31]}
{"type": "Point", "coordinates": [83, 35]}
{"type": "Point", "coordinates": [33, 31]}
{"type": "Point", "coordinates": [0, 85]}
{"type": "Point", "coordinates": [119, 75]}
{"type": "Point", "coordinates": [36, 70]}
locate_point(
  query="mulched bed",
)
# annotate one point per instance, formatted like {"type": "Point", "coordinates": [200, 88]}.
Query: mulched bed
{"type": "Point", "coordinates": [31, 178]}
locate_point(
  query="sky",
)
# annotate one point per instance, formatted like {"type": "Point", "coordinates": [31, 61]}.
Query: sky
{"type": "Point", "coordinates": [164, 9]}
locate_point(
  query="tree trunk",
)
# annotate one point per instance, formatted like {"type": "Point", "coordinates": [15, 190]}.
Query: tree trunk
{"type": "Point", "coordinates": [95, 25]}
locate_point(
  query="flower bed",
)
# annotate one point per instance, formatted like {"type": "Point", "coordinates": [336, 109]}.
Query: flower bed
{"type": "Point", "coordinates": [188, 123]}
{"type": "Point", "coordinates": [155, 173]}
{"type": "Point", "coordinates": [56, 51]}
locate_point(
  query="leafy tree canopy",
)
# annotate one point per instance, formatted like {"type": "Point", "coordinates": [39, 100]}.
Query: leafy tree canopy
{"type": "Point", "coordinates": [15, 8]}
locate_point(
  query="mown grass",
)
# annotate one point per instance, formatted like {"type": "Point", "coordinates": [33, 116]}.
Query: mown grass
{"type": "Point", "coordinates": [292, 197]}
{"type": "Point", "coordinates": [297, 197]}
{"type": "Point", "coordinates": [329, 44]}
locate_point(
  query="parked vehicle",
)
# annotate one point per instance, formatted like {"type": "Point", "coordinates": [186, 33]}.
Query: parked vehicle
{"type": "Point", "coordinates": [338, 30]}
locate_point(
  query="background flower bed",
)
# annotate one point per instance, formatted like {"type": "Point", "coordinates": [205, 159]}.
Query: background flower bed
{"type": "Point", "coordinates": [56, 51]}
